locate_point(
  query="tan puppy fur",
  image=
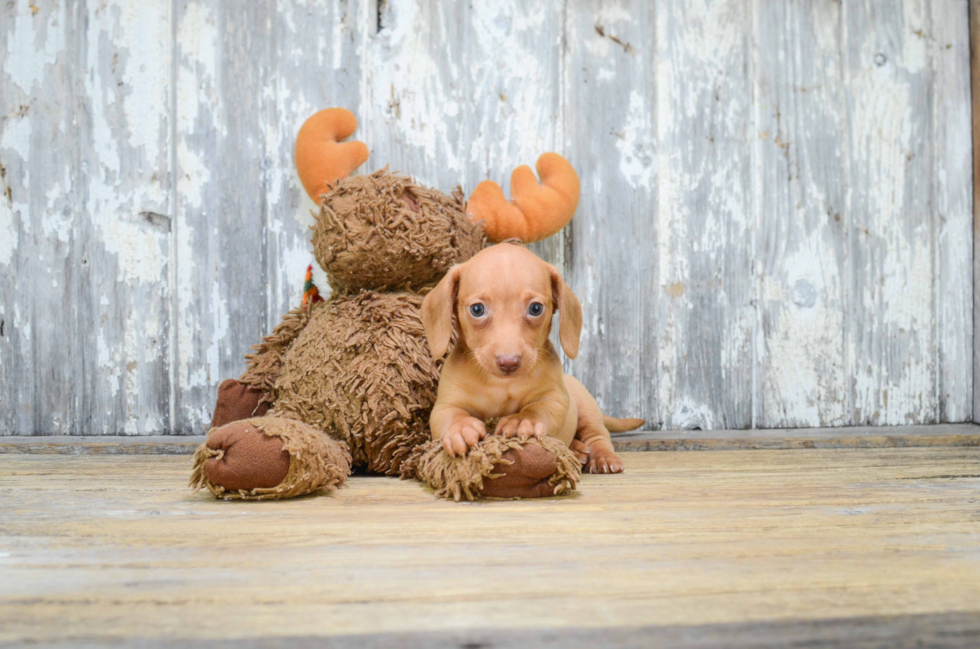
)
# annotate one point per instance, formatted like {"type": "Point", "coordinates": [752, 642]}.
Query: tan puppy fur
{"type": "Point", "coordinates": [500, 304]}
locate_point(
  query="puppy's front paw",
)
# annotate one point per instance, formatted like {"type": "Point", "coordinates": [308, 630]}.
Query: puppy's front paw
{"type": "Point", "coordinates": [463, 435]}
{"type": "Point", "coordinates": [520, 426]}
{"type": "Point", "coordinates": [604, 461]}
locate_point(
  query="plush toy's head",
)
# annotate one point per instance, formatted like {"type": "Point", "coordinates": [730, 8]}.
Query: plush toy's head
{"type": "Point", "coordinates": [384, 231]}
{"type": "Point", "coordinates": [423, 217]}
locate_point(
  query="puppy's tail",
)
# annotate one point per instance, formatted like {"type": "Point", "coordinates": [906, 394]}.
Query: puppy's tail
{"type": "Point", "coordinates": [615, 425]}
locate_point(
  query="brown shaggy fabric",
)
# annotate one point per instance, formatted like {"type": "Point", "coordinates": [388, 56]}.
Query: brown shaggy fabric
{"type": "Point", "coordinates": [351, 379]}
{"type": "Point", "coordinates": [248, 459]}
{"type": "Point", "coordinates": [382, 231]}
{"type": "Point", "coordinates": [468, 477]}
{"type": "Point", "coordinates": [362, 372]}
{"type": "Point", "coordinates": [237, 401]}
{"type": "Point", "coordinates": [265, 364]}
{"type": "Point", "coordinates": [315, 461]}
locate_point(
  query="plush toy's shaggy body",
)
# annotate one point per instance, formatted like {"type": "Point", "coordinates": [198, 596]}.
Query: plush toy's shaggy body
{"type": "Point", "coordinates": [350, 381]}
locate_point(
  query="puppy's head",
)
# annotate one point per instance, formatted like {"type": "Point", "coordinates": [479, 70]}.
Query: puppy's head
{"type": "Point", "coordinates": [502, 301]}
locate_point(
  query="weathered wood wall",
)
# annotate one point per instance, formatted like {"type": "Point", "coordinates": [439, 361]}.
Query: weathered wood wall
{"type": "Point", "coordinates": [775, 226]}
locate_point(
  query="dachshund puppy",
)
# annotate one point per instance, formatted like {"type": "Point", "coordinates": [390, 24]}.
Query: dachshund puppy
{"type": "Point", "coordinates": [500, 304]}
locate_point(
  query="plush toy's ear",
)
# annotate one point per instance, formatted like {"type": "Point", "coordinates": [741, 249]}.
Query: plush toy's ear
{"type": "Point", "coordinates": [569, 313]}
{"type": "Point", "coordinates": [437, 313]}
{"type": "Point", "coordinates": [535, 211]}
{"type": "Point", "coordinates": [321, 158]}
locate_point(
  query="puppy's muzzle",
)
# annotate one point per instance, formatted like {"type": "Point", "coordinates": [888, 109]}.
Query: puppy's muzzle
{"type": "Point", "coordinates": [508, 364]}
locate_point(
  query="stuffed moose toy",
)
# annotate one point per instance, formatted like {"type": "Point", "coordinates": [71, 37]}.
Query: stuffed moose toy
{"type": "Point", "coordinates": [349, 381]}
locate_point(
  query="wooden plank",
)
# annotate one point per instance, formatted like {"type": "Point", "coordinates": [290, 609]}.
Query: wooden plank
{"type": "Point", "coordinates": [975, 110]}
{"type": "Point", "coordinates": [892, 333]}
{"type": "Point", "coordinates": [950, 630]}
{"type": "Point", "coordinates": [100, 445]}
{"type": "Point", "coordinates": [609, 124]}
{"type": "Point", "coordinates": [89, 160]}
{"type": "Point", "coordinates": [704, 205]}
{"type": "Point", "coordinates": [112, 548]}
{"type": "Point", "coordinates": [37, 210]}
{"type": "Point", "coordinates": [940, 435]}
{"type": "Point", "coordinates": [663, 440]}
{"type": "Point", "coordinates": [800, 194]}
{"type": "Point", "coordinates": [953, 205]}
{"type": "Point", "coordinates": [224, 96]}
{"type": "Point", "coordinates": [121, 304]}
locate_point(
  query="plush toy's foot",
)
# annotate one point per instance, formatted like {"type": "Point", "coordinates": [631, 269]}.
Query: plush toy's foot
{"type": "Point", "coordinates": [522, 473]}
{"type": "Point", "coordinates": [237, 401]}
{"type": "Point", "coordinates": [268, 458]}
{"type": "Point", "coordinates": [498, 467]}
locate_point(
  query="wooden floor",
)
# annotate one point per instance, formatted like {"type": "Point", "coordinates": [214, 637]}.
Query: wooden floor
{"type": "Point", "coordinates": [734, 548]}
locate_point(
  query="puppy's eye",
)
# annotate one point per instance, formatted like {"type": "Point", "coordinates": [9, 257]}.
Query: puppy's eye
{"type": "Point", "coordinates": [477, 310]}
{"type": "Point", "coordinates": [535, 309]}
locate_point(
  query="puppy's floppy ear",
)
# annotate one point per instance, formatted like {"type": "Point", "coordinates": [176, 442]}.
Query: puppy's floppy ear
{"type": "Point", "coordinates": [569, 312]}
{"type": "Point", "coordinates": [437, 313]}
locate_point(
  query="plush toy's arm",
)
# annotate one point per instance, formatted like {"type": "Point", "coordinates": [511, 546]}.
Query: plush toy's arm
{"type": "Point", "coordinates": [535, 211]}
{"type": "Point", "coordinates": [265, 364]}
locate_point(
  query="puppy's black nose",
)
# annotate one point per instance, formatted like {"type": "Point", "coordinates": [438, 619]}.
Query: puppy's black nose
{"type": "Point", "coordinates": [508, 364]}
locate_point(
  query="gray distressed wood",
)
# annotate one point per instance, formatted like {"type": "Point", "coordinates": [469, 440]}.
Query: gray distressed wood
{"type": "Point", "coordinates": [892, 229]}
{"type": "Point", "coordinates": [223, 105]}
{"type": "Point", "coordinates": [121, 303]}
{"type": "Point", "coordinates": [456, 93]}
{"type": "Point", "coordinates": [774, 228]}
{"type": "Point", "coordinates": [36, 234]}
{"type": "Point", "coordinates": [705, 290]}
{"type": "Point", "coordinates": [86, 139]}
{"type": "Point", "coordinates": [953, 207]}
{"type": "Point", "coordinates": [799, 148]}
{"type": "Point", "coordinates": [974, 62]}
{"type": "Point", "coordinates": [610, 134]}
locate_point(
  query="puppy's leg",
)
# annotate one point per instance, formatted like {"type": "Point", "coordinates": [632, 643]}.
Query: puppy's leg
{"type": "Point", "coordinates": [592, 440]}
{"type": "Point", "coordinates": [458, 430]}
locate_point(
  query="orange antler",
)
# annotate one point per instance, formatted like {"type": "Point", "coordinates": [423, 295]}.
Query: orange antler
{"type": "Point", "coordinates": [321, 158]}
{"type": "Point", "coordinates": [535, 211]}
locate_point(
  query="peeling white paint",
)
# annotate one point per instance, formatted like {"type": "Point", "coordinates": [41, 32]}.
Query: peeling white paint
{"type": "Point", "coordinates": [660, 124]}
{"type": "Point", "coordinates": [45, 47]}
{"type": "Point", "coordinates": [635, 144]}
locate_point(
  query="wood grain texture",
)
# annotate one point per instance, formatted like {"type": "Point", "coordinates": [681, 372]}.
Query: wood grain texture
{"type": "Point", "coordinates": [774, 228]}
{"type": "Point", "coordinates": [953, 207]}
{"type": "Point", "coordinates": [121, 304]}
{"type": "Point", "coordinates": [456, 93]}
{"type": "Point", "coordinates": [662, 440]}
{"type": "Point", "coordinates": [85, 152]}
{"type": "Point", "coordinates": [223, 107]}
{"type": "Point", "coordinates": [106, 548]}
{"type": "Point", "coordinates": [613, 252]}
{"type": "Point", "coordinates": [948, 630]}
{"type": "Point", "coordinates": [892, 231]}
{"type": "Point", "coordinates": [704, 205]}
{"type": "Point", "coordinates": [37, 212]}
{"type": "Point", "coordinates": [800, 193]}
{"type": "Point", "coordinates": [975, 112]}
